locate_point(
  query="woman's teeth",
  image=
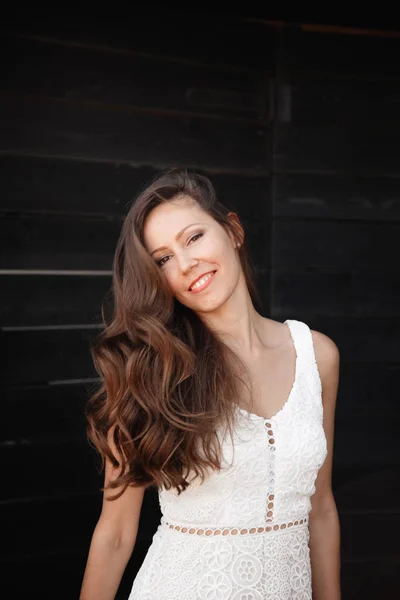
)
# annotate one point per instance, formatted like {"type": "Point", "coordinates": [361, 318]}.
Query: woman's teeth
{"type": "Point", "coordinates": [201, 281]}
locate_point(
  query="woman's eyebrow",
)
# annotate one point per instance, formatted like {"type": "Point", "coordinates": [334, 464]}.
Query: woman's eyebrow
{"type": "Point", "coordinates": [178, 235]}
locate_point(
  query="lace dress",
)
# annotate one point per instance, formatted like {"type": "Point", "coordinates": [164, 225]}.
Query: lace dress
{"type": "Point", "coordinates": [243, 534]}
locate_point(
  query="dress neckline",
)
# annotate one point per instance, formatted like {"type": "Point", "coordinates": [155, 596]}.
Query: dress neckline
{"type": "Point", "coordinates": [288, 399]}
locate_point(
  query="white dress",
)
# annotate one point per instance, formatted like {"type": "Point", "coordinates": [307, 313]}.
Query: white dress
{"type": "Point", "coordinates": [243, 534]}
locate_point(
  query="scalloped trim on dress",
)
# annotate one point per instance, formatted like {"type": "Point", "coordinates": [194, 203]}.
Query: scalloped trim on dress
{"type": "Point", "coordinates": [213, 531]}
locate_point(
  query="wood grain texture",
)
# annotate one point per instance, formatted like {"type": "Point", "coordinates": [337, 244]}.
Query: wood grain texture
{"type": "Point", "coordinates": [357, 443]}
{"type": "Point", "coordinates": [64, 355]}
{"type": "Point", "coordinates": [59, 466]}
{"type": "Point", "coordinates": [315, 196]}
{"type": "Point", "coordinates": [44, 411]}
{"type": "Point", "coordinates": [32, 125]}
{"type": "Point", "coordinates": [219, 39]}
{"type": "Point", "coordinates": [356, 539]}
{"type": "Point", "coordinates": [48, 185]}
{"type": "Point", "coordinates": [370, 579]}
{"type": "Point", "coordinates": [133, 80]}
{"type": "Point", "coordinates": [338, 127]}
{"type": "Point", "coordinates": [367, 488]}
{"type": "Point", "coordinates": [364, 390]}
{"type": "Point", "coordinates": [54, 300]}
{"type": "Point", "coordinates": [347, 294]}
{"type": "Point", "coordinates": [77, 243]}
{"type": "Point", "coordinates": [326, 246]}
{"type": "Point", "coordinates": [304, 55]}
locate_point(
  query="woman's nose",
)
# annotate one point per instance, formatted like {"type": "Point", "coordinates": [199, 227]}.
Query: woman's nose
{"type": "Point", "coordinates": [186, 262]}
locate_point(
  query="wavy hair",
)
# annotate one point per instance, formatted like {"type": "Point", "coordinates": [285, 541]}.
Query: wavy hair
{"type": "Point", "coordinates": [166, 380]}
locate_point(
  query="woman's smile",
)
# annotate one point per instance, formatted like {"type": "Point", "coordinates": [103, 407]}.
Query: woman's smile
{"type": "Point", "coordinates": [202, 283]}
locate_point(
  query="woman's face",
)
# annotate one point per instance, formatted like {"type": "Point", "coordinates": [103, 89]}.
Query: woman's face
{"type": "Point", "coordinates": [187, 244]}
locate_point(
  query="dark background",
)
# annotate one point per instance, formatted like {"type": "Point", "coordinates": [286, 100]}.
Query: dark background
{"type": "Point", "coordinates": [297, 124]}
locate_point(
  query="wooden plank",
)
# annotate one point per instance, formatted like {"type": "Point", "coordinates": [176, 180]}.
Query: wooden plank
{"type": "Point", "coordinates": [367, 488]}
{"type": "Point", "coordinates": [369, 537]}
{"type": "Point", "coordinates": [39, 300]}
{"type": "Point", "coordinates": [35, 412]}
{"type": "Point", "coordinates": [362, 388]}
{"type": "Point", "coordinates": [73, 464]}
{"type": "Point", "coordinates": [329, 244]}
{"type": "Point", "coordinates": [174, 33]}
{"type": "Point", "coordinates": [358, 441]}
{"type": "Point", "coordinates": [337, 197]}
{"type": "Point", "coordinates": [87, 74]}
{"type": "Point", "coordinates": [58, 242]}
{"type": "Point", "coordinates": [46, 355]}
{"type": "Point", "coordinates": [357, 294]}
{"type": "Point", "coordinates": [29, 125]}
{"type": "Point", "coordinates": [307, 54]}
{"type": "Point", "coordinates": [50, 185]}
{"type": "Point", "coordinates": [326, 127]}
{"type": "Point", "coordinates": [369, 580]}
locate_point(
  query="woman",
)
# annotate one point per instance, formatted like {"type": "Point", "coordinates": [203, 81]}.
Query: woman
{"type": "Point", "coordinates": [229, 414]}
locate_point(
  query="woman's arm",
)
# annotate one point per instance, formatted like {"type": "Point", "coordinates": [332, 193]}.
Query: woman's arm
{"type": "Point", "coordinates": [113, 539]}
{"type": "Point", "coordinates": [324, 521]}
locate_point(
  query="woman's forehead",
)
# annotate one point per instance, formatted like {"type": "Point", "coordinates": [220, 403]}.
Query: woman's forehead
{"type": "Point", "coordinates": [175, 212]}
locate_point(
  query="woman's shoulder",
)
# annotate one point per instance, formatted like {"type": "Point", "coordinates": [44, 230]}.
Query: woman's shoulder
{"type": "Point", "coordinates": [325, 348]}
{"type": "Point", "coordinates": [327, 353]}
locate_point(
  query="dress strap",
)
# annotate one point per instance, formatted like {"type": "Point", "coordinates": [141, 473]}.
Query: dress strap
{"type": "Point", "coordinates": [304, 346]}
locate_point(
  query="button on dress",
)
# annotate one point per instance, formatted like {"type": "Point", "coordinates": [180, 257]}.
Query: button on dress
{"type": "Point", "coordinates": [243, 533]}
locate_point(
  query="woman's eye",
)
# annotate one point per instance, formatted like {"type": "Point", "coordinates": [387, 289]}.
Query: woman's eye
{"type": "Point", "coordinates": [161, 263]}
{"type": "Point", "coordinates": [194, 236]}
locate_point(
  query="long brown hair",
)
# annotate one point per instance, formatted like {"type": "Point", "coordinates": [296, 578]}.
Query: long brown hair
{"type": "Point", "coordinates": [166, 380]}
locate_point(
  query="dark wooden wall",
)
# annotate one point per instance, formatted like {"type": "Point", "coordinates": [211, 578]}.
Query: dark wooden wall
{"type": "Point", "coordinates": [299, 130]}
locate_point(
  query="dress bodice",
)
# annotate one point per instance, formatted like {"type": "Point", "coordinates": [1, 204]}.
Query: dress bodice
{"type": "Point", "coordinates": [269, 467]}
{"type": "Point", "coordinates": [243, 532]}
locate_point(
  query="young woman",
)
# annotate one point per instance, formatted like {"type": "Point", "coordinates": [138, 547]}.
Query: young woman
{"type": "Point", "coordinates": [228, 413]}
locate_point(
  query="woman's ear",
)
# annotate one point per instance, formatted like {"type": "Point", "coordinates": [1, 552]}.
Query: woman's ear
{"type": "Point", "coordinates": [237, 226]}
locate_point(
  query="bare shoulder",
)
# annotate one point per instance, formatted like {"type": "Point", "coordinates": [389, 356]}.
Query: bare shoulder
{"type": "Point", "coordinates": [325, 347]}
{"type": "Point", "coordinates": [327, 356]}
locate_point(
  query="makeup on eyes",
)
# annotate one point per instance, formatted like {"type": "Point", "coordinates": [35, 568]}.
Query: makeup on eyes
{"type": "Point", "coordinates": [194, 235]}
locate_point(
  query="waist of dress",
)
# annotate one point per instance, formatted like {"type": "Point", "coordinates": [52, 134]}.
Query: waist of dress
{"type": "Point", "coordinates": [233, 530]}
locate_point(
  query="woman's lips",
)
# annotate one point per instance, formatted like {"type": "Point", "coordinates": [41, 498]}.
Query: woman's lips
{"type": "Point", "coordinates": [205, 284]}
